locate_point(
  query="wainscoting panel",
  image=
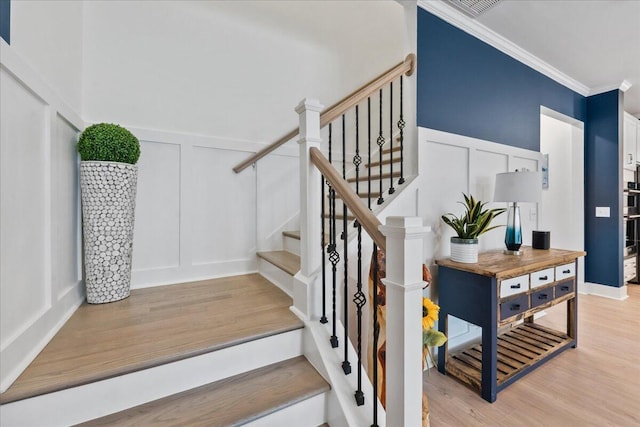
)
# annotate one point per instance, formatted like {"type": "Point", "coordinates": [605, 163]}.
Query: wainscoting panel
{"type": "Point", "coordinates": [450, 165]}
{"type": "Point", "coordinates": [40, 284]}
{"type": "Point", "coordinates": [224, 207]}
{"type": "Point", "coordinates": [195, 217]}
{"type": "Point", "coordinates": [25, 290]}
{"type": "Point", "coordinates": [65, 210]}
{"type": "Point", "coordinates": [157, 227]}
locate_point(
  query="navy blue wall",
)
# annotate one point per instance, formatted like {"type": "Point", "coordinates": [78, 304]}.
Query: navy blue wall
{"type": "Point", "coordinates": [5, 20]}
{"type": "Point", "coordinates": [469, 88]}
{"type": "Point", "coordinates": [603, 184]}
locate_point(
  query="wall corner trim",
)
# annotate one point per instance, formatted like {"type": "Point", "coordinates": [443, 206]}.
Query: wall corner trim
{"type": "Point", "coordinates": [481, 32]}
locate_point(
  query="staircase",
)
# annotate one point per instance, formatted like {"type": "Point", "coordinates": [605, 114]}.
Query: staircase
{"type": "Point", "coordinates": [217, 353]}
{"type": "Point", "coordinates": [287, 260]}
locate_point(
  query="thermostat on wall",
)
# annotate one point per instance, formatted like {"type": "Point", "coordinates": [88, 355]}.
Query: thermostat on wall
{"type": "Point", "coordinates": [603, 212]}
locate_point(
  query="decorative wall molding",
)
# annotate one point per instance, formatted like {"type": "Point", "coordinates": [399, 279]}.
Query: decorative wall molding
{"type": "Point", "coordinates": [476, 29]}
{"type": "Point", "coordinates": [40, 242]}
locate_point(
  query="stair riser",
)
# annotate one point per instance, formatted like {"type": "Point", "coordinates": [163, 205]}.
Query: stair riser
{"type": "Point", "coordinates": [291, 245]}
{"type": "Point", "coordinates": [275, 275]}
{"type": "Point", "coordinates": [308, 413]}
{"type": "Point", "coordinates": [90, 401]}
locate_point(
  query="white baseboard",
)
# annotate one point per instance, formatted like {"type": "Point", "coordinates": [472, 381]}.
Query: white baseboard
{"type": "Point", "coordinates": [603, 290]}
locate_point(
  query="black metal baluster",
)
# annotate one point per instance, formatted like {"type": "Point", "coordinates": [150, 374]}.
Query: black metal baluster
{"type": "Point", "coordinates": [334, 257]}
{"type": "Point", "coordinates": [401, 125]}
{"type": "Point", "coordinates": [323, 319]}
{"type": "Point", "coordinates": [391, 189]}
{"type": "Point", "coordinates": [369, 152]}
{"type": "Point", "coordinates": [346, 366]}
{"type": "Point", "coordinates": [359, 298]}
{"type": "Point", "coordinates": [376, 332]}
{"type": "Point", "coordinates": [380, 143]}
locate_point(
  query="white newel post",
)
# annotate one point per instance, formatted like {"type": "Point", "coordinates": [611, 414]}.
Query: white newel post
{"type": "Point", "coordinates": [305, 296]}
{"type": "Point", "coordinates": [404, 319]}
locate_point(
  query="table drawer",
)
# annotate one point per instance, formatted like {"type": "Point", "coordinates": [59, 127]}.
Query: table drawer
{"type": "Point", "coordinates": [564, 271]}
{"type": "Point", "coordinates": [542, 296]}
{"type": "Point", "coordinates": [514, 286]}
{"type": "Point", "coordinates": [542, 277]}
{"type": "Point", "coordinates": [564, 288]}
{"type": "Point", "coordinates": [514, 306]}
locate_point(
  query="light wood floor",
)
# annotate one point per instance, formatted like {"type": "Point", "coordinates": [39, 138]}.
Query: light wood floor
{"type": "Point", "coordinates": [596, 384]}
{"type": "Point", "coordinates": [156, 326]}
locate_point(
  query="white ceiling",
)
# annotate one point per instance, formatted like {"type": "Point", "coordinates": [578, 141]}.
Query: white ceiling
{"type": "Point", "coordinates": [595, 42]}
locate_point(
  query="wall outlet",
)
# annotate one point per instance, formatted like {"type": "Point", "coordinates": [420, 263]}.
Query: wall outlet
{"type": "Point", "coordinates": [603, 212]}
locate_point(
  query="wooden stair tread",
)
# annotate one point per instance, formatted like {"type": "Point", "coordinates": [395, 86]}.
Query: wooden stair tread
{"type": "Point", "coordinates": [374, 177]}
{"type": "Point", "coordinates": [340, 217]}
{"type": "Point", "coordinates": [284, 260]}
{"type": "Point", "coordinates": [233, 401]}
{"type": "Point", "coordinates": [395, 148]}
{"type": "Point", "coordinates": [384, 162]}
{"type": "Point", "coordinates": [363, 195]}
{"type": "Point", "coordinates": [294, 234]}
{"type": "Point", "coordinates": [155, 326]}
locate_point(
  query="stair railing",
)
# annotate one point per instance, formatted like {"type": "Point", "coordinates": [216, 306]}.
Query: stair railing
{"type": "Point", "coordinates": [400, 238]}
{"type": "Point", "coordinates": [406, 67]}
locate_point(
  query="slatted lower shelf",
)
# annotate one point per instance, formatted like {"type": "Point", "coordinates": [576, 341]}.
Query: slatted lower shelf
{"type": "Point", "coordinates": [518, 348]}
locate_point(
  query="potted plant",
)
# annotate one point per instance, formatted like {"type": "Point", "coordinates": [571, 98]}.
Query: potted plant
{"type": "Point", "coordinates": [108, 177]}
{"type": "Point", "coordinates": [475, 221]}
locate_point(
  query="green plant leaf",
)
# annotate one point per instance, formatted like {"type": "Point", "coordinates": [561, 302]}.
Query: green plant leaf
{"type": "Point", "coordinates": [476, 220]}
{"type": "Point", "coordinates": [433, 338]}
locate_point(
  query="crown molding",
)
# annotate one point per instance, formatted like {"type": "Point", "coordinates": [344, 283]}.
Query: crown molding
{"type": "Point", "coordinates": [623, 87]}
{"type": "Point", "coordinates": [481, 32]}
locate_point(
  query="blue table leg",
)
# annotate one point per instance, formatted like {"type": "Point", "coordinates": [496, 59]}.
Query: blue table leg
{"type": "Point", "coordinates": [490, 347]}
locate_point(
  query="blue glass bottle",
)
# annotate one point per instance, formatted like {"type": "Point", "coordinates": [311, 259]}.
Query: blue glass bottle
{"type": "Point", "coordinates": [513, 236]}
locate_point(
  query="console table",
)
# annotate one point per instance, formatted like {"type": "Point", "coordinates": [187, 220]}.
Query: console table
{"type": "Point", "coordinates": [494, 294]}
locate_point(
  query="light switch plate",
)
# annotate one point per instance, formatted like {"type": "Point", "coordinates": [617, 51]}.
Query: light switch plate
{"type": "Point", "coordinates": [603, 212]}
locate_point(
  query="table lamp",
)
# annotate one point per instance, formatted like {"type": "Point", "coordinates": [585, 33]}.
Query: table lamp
{"type": "Point", "coordinates": [514, 187]}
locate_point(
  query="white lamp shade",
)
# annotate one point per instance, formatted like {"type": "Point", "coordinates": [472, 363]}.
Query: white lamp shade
{"type": "Point", "coordinates": [518, 187]}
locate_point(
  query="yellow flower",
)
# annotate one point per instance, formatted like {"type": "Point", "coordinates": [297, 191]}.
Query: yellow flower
{"type": "Point", "coordinates": [429, 313]}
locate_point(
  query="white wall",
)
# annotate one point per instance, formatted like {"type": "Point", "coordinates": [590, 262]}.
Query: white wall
{"type": "Point", "coordinates": [40, 278]}
{"type": "Point", "coordinates": [47, 35]}
{"type": "Point", "coordinates": [230, 69]}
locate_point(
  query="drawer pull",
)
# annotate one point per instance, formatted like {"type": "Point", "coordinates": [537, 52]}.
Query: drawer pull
{"type": "Point", "coordinates": [564, 288]}
{"type": "Point", "coordinates": [515, 307]}
{"type": "Point", "coordinates": [566, 271]}
{"type": "Point", "coordinates": [543, 278]}
{"type": "Point", "coordinates": [515, 286]}
{"type": "Point", "coordinates": [543, 296]}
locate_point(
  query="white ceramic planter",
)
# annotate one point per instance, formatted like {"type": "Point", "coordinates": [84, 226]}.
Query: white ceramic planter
{"type": "Point", "coordinates": [464, 250]}
{"type": "Point", "coordinates": [108, 212]}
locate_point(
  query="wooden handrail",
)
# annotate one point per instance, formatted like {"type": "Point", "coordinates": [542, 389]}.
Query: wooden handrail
{"type": "Point", "coordinates": [406, 67]}
{"type": "Point", "coordinates": [357, 207]}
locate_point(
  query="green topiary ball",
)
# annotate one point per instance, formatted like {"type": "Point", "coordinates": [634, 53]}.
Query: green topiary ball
{"type": "Point", "coordinates": [108, 143]}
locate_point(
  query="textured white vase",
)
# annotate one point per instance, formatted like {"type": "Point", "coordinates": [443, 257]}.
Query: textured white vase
{"type": "Point", "coordinates": [464, 250]}
{"type": "Point", "coordinates": [108, 213]}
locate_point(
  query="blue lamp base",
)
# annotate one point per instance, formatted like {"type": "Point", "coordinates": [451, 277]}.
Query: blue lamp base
{"type": "Point", "coordinates": [513, 235]}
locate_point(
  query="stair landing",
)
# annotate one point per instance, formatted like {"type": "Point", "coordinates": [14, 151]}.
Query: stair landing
{"type": "Point", "coordinates": [155, 326]}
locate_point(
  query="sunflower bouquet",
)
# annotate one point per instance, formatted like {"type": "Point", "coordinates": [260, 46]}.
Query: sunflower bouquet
{"type": "Point", "coordinates": [430, 336]}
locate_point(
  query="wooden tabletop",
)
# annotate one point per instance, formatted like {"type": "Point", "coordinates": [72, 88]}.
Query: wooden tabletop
{"type": "Point", "coordinates": [499, 265]}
